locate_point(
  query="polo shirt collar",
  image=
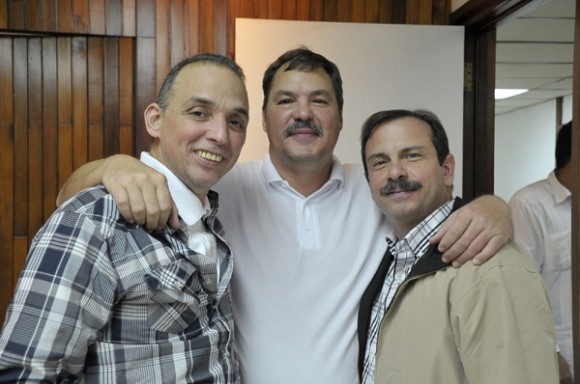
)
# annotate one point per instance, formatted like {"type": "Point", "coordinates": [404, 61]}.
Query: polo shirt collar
{"type": "Point", "coordinates": [271, 175]}
{"type": "Point", "coordinates": [561, 193]}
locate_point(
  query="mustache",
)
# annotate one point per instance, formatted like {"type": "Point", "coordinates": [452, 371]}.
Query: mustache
{"type": "Point", "coordinates": [400, 185]}
{"type": "Point", "coordinates": [298, 124]}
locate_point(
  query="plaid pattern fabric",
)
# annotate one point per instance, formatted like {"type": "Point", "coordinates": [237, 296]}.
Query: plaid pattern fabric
{"type": "Point", "coordinates": [405, 253]}
{"type": "Point", "coordinates": [103, 301]}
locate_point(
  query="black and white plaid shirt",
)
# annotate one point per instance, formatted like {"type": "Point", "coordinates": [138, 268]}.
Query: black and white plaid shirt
{"type": "Point", "coordinates": [103, 301]}
{"type": "Point", "coordinates": [406, 252]}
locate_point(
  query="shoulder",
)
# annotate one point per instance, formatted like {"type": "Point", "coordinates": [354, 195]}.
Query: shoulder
{"type": "Point", "coordinates": [509, 266]}
{"type": "Point", "coordinates": [534, 192]}
{"type": "Point", "coordinates": [93, 204]}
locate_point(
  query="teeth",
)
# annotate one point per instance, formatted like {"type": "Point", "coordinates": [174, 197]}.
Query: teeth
{"type": "Point", "coordinates": [210, 156]}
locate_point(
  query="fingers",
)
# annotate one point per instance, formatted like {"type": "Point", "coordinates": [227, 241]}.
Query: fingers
{"type": "Point", "coordinates": [142, 196]}
{"type": "Point", "coordinates": [475, 232]}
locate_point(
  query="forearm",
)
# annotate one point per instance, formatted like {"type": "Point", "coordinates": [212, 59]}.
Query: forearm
{"type": "Point", "coordinates": [87, 175]}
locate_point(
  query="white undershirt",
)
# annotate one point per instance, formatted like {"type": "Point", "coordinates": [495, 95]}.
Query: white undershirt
{"type": "Point", "coordinates": [190, 208]}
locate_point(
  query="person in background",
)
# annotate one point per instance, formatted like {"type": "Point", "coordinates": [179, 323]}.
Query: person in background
{"type": "Point", "coordinates": [102, 300]}
{"type": "Point", "coordinates": [303, 228]}
{"type": "Point", "coordinates": [422, 321]}
{"type": "Point", "coordinates": [542, 217]}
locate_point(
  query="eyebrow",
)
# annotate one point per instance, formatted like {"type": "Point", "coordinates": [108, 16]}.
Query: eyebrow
{"type": "Point", "coordinates": [202, 100]}
{"type": "Point", "coordinates": [313, 93]}
{"type": "Point", "coordinates": [403, 151]}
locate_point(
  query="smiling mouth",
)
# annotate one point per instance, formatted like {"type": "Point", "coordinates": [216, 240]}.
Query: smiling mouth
{"type": "Point", "coordinates": [209, 156]}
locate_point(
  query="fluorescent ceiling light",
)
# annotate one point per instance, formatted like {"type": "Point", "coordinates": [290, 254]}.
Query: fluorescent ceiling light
{"type": "Point", "coordinates": [505, 93]}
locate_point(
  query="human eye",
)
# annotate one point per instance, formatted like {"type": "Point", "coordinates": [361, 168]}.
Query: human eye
{"type": "Point", "coordinates": [413, 156]}
{"type": "Point", "coordinates": [238, 124]}
{"type": "Point", "coordinates": [198, 113]}
{"type": "Point", "coordinates": [284, 101]}
{"type": "Point", "coordinates": [320, 101]}
{"type": "Point", "coordinates": [378, 162]}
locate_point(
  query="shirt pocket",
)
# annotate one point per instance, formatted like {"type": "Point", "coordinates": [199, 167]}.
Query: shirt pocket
{"type": "Point", "coordinates": [558, 249]}
{"type": "Point", "coordinates": [175, 297]}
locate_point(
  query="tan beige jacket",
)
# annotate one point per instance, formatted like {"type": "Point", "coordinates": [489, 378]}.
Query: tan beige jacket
{"type": "Point", "coordinates": [487, 324]}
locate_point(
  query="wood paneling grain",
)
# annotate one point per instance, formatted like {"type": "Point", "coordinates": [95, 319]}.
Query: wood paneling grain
{"type": "Point", "coordinates": [177, 30]}
{"type": "Point", "coordinates": [32, 17]}
{"type": "Point", "coordinates": [275, 9]}
{"type": "Point", "coordinates": [145, 87]}
{"type": "Point", "coordinates": [48, 23]}
{"type": "Point", "coordinates": [111, 97]}
{"type": "Point", "coordinates": [50, 126]}
{"type": "Point", "coordinates": [162, 41]}
{"type": "Point", "coordinates": [145, 18]}
{"type": "Point", "coordinates": [96, 58]}
{"type": "Point", "coordinates": [80, 18]}
{"type": "Point", "coordinates": [6, 173]}
{"type": "Point", "coordinates": [64, 13]}
{"type": "Point", "coordinates": [192, 15]}
{"type": "Point", "coordinates": [220, 29]}
{"type": "Point", "coordinates": [206, 18]}
{"type": "Point", "coordinates": [3, 14]}
{"type": "Point", "coordinates": [16, 14]}
{"type": "Point", "coordinates": [126, 97]}
{"type": "Point", "coordinates": [20, 54]}
{"type": "Point", "coordinates": [114, 18]}
{"type": "Point", "coordinates": [344, 10]}
{"type": "Point", "coordinates": [98, 17]}
{"type": "Point", "coordinates": [65, 136]}
{"type": "Point", "coordinates": [80, 97]}
{"type": "Point", "coordinates": [35, 155]}
{"type": "Point", "coordinates": [129, 18]}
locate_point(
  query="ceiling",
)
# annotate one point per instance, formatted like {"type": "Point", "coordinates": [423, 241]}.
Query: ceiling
{"type": "Point", "coordinates": [535, 51]}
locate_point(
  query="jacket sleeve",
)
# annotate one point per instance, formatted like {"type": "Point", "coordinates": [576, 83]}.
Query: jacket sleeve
{"type": "Point", "coordinates": [503, 326]}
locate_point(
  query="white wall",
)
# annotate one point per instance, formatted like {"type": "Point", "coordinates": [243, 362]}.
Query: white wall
{"type": "Point", "coordinates": [524, 145]}
{"type": "Point", "coordinates": [383, 66]}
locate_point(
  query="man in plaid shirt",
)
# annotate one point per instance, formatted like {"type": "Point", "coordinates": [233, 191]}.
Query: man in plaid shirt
{"type": "Point", "coordinates": [100, 299]}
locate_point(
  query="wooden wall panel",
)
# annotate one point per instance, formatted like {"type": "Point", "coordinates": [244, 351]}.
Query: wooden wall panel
{"type": "Point", "coordinates": [97, 21]}
{"type": "Point", "coordinates": [50, 126]}
{"type": "Point", "coordinates": [64, 108]}
{"type": "Point", "coordinates": [114, 18]}
{"type": "Point", "coordinates": [65, 17]}
{"type": "Point", "coordinates": [34, 133]}
{"type": "Point", "coordinates": [20, 135]}
{"type": "Point", "coordinates": [126, 96]}
{"type": "Point", "coordinates": [6, 173]}
{"type": "Point", "coordinates": [80, 97]}
{"type": "Point", "coordinates": [48, 22]}
{"type": "Point", "coordinates": [111, 97]}
{"type": "Point", "coordinates": [96, 76]}
{"type": "Point", "coordinates": [80, 15]}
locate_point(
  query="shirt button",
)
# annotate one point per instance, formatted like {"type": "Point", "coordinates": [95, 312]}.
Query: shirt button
{"type": "Point", "coordinates": [209, 281]}
{"type": "Point", "coordinates": [178, 285]}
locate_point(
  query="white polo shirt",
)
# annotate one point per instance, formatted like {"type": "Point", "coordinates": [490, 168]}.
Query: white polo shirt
{"type": "Point", "coordinates": [301, 267]}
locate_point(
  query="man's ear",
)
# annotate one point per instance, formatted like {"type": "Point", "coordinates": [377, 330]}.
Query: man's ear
{"type": "Point", "coordinates": [153, 119]}
{"type": "Point", "coordinates": [449, 169]}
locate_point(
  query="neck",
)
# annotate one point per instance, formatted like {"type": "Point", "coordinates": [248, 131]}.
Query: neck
{"type": "Point", "coordinates": [305, 177]}
{"type": "Point", "coordinates": [564, 175]}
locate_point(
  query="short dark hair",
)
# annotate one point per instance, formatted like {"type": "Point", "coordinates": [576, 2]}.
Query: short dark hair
{"type": "Point", "coordinates": [303, 59]}
{"type": "Point", "coordinates": [204, 58]}
{"type": "Point", "coordinates": [564, 145]}
{"type": "Point", "coordinates": [438, 135]}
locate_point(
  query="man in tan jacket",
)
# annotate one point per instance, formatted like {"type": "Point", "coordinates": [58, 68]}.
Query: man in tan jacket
{"type": "Point", "coordinates": [421, 321]}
